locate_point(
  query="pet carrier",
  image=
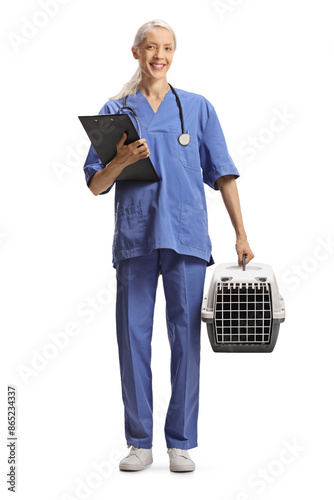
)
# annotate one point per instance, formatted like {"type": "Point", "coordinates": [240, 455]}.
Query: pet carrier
{"type": "Point", "coordinates": [243, 308]}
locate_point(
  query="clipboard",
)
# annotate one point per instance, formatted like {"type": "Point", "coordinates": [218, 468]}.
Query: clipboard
{"type": "Point", "coordinates": [104, 132]}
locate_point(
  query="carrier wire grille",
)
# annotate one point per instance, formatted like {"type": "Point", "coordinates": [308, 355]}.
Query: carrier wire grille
{"type": "Point", "coordinates": [243, 313]}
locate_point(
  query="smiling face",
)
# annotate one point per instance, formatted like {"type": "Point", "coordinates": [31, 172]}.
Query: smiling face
{"type": "Point", "coordinates": [155, 53]}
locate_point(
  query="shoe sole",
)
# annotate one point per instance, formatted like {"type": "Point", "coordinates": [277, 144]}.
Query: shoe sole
{"type": "Point", "coordinates": [134, 468]}
{"type": "Point", "coordinates": [181, 468]}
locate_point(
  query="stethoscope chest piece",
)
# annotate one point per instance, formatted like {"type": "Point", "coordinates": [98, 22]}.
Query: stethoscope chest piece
{"type": "Point", "coordinates": [184, 139]}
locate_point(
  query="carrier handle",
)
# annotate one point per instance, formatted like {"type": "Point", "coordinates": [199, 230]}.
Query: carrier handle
{"type": "Point", "coordinates": [244, 262]}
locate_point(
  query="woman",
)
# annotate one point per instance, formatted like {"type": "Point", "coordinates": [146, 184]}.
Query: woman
{"type": "Point", "coordinates": [161, 228]}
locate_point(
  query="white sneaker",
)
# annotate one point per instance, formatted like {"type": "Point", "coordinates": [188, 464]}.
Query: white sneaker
{"type": "Point", "coordinates": [137, 459]}
{"type": "Point", "coordinates": [179, 460]}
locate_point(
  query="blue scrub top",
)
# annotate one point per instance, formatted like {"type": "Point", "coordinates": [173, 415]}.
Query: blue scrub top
{"type": "Point", "coordinates": [172, 212]}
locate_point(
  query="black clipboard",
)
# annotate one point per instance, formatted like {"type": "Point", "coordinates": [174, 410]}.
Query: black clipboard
{"type": "Point", "coordinates": [104, 132]}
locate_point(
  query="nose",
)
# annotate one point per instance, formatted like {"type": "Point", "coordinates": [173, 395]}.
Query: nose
{"type": "Point", "coordinates": [159, 53]}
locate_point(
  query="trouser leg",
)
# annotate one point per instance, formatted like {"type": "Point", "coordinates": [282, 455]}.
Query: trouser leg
{"type": "Point", "coordinates": [136, 290]}
{"type": "Point", "coordinates": [183, 280]}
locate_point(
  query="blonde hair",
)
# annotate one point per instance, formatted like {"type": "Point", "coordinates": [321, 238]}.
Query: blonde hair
{"type": "Point", "coordinates": [131, 87]}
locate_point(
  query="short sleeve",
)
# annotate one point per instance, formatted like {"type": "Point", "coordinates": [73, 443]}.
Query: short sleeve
{"type": "Point", "coordinates": [215, 158]}
{"type": "Point", "coordinates": [93, 163]}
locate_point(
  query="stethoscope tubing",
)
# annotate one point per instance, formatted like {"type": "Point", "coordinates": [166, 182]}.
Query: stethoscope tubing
{"type": "Point", "coordinates": [133, 112]}
{"type": "Point", "coordinates": [184, 138]}
{"type": "Point", "coordinates": [180, 107]}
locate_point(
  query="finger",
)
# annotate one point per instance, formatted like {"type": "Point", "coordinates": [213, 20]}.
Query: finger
{"type": "Point", "coordinates": [139, 149]}
{"type": "Point", "coordinates": [144, 154]}
{"type": "Point", "coordinates": [139, 143]}
{"type": "Point", "coordinates": [142, 149]}
{"type": "Point", "coordinates": [240, 259]}
{"type": "Point", "coordinates": [122, 140]}
{"type": "Point", "coordinates": [249, 257]}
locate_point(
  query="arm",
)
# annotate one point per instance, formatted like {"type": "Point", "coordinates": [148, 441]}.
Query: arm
{"type": "Point", "coordinates": [228, 188]}
{"type": "Point", "coordinates": [124, 157]}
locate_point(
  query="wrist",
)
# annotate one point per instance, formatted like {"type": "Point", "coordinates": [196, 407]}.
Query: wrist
{"type": "Point", "coordinates": [241, 234]}
{"type": "Point", "coordinates": [115, 164]}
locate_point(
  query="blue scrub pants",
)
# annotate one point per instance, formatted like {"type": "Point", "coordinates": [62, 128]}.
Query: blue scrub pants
{"type": "Point", "coordinates": [183, 281]}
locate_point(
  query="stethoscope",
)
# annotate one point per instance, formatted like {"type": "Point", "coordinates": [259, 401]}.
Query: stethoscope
{"type": "Point", "coordinates": [183, 139]}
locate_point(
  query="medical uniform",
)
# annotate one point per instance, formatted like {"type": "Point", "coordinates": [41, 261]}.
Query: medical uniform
{"type": "Point", "coordinates": [162, 228]}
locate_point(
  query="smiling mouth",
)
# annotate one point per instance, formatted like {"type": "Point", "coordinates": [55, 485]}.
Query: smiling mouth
{"type": "Point", "coordinates": [157, 66]}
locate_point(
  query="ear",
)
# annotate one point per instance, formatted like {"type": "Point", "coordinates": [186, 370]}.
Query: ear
{"type": "Point", "coordinates": [134, 52]}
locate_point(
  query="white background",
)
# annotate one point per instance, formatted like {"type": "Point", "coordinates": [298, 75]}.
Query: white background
{"type": "Point", "coordinates": [252, 59]}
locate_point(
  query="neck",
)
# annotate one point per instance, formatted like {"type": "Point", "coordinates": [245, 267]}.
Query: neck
{"type": "Point", "coordinates": [150, 87]}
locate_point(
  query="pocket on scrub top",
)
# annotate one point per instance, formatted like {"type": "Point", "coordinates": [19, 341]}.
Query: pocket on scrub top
{"type": "Point", "coordinates": [189, 156]}
{"type": "Point", "coordinates": [130, 228]}
{"type": "Point", "coordinates": [193, 228]}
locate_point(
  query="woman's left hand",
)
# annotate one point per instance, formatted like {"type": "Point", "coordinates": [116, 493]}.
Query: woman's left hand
{"type": "Point", "coordinates": [242, 247]}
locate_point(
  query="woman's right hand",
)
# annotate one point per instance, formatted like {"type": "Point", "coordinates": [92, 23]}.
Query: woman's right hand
{"type": "Point", "coordinates": [127, 154]}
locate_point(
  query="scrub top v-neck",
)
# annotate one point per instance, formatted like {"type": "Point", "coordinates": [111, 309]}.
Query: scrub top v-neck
{"type": "Point", "coordinates": [155, 112]}
{"type": "Point", "coordinates": [172, 212]}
